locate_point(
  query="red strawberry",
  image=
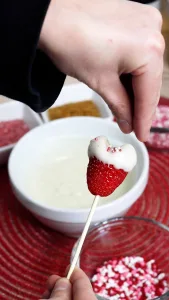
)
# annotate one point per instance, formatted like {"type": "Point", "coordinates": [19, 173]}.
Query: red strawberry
{"type": "Point", "coordinates": [103, 179]}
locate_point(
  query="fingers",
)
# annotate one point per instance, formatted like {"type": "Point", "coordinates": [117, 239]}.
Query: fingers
{"type": "Point", "coordinates": [157, 18]}
{"type": "Point", "coordinates": [51, 281]}
{"type": "Point", "coordinates": [147, 92]}
{"type": "Point", "coordinates": [61, 290]}
{"type": "Point", "coordinates": [118, 101]}
{"type": "Point", "coordinates": [82, 288]}
{"type": "Point", "coordinates": [50, 285]}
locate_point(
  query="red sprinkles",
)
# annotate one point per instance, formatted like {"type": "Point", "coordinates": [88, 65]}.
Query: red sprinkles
{"type": "Point", "coordinates": [129, 278]}
{"type": "Point", "coordinates": [12, 131]}
{"type": "Point", "coordinates": [160, 140]}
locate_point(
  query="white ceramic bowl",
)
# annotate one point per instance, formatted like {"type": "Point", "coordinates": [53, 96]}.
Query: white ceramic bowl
{"type": "Point", "coordinates": [71, 221]}
{"type": "Point", "coordinates": [15, 110]}
{"type": "Point", "coordinates": [79, 92]}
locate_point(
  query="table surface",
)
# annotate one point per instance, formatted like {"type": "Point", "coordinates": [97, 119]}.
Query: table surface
{"type": "Point", "coordinates": [30, 252]}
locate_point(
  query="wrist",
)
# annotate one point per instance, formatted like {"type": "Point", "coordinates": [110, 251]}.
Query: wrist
{"type": "Point", "coordinates": [59, 33]}
{"type": "Point", "coordinates": [51, 40]}
{"type": "Point", "coordinates": [43, 38]}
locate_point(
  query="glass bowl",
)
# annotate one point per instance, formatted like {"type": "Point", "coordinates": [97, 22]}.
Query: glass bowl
{"type": "Point", "coordinates": [126, 236]}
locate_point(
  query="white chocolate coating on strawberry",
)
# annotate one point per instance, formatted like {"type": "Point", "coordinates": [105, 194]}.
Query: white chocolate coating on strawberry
{"type": "Point", "coordinates": [123, 157]}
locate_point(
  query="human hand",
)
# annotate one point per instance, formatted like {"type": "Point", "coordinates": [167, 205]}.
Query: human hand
{"type": "Point", "coordinates": [98, 41]}
{"type": "Point", "coordinates": [79, 287]}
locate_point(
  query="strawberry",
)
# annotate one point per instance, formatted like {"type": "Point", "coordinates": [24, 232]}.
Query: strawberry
{"type": "Point", "coordinates": [103, 179]}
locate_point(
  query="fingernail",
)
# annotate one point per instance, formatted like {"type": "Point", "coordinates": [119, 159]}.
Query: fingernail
{"type": "Point", "coordinates": [62, 284]}
{"type": "Point", "coordinates": [143, 137]}
{"type": "Point", "coordinates": [124, 126]}
{"type": "Point", "coordinates": [147, 136]}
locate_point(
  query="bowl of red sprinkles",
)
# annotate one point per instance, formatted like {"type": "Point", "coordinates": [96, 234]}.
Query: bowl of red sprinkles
{"type": "Point", "coordinates": [161, 119]}
{"type": "Point", "coordinates": [16, 119]}
{"type": "Point", "coordinates": [127, 258]}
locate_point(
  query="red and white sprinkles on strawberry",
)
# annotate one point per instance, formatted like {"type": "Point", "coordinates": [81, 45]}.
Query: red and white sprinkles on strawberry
{"type": "Point", "coordinates": [108, 166]}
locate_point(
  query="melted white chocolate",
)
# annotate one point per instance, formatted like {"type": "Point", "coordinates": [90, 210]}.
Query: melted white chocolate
{"type": "Point", "coordinates": [123, 157]}
{"type": "Point", "coordinates": [59, 175]}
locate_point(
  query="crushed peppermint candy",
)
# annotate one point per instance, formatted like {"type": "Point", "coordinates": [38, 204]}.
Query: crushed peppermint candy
{"type": "Point", "coordinates": [12, 131]}
{"type": "Point", "coordinates": [160, 140]}
{"type": "Point", "coordinates": [129, 278]}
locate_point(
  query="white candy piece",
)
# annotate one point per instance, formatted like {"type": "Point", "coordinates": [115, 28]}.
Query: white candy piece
{"type": "Point", "coordinates": [123, 157]}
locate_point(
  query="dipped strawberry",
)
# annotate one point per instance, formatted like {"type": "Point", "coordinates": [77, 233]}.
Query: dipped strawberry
{"type": "Point", "coordinates": [108, 166]}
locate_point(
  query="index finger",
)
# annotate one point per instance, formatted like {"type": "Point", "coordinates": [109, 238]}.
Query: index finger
{"type": "Point", "coordinates": [81, 285]}
{"type": "Point", "coordinates": [146, 87]}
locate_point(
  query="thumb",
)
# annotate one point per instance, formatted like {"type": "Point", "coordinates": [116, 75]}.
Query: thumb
{"type": "Point", "coordinates": [81, 286]}
{"type": "Point", "coordinates": [61, 290]}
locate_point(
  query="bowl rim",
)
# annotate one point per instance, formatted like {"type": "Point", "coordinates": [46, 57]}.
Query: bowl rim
{"type": "Point", "coordinates": [125, 218]}
{"type": "Point", "coordinates": [34, 115]}
{"type": "Point", "coordinates": [77, 86]}
{"type": "Point", "coordinates": [133, 189]}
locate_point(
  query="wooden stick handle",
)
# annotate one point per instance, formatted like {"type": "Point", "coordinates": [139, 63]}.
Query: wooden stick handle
{"type": "Point", "coordinates": [82, 238]}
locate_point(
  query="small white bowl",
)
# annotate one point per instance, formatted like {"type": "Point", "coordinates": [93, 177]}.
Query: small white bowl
{"type": "Point", "coordinates": [71, 221]}
{"type": "Point", "coordinates": [15, 110]}
{"type": "Point", "coordinates": [79, 92]}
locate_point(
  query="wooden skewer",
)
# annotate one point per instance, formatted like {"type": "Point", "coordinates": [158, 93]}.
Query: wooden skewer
{"type": "Point", "coordinates": [82, 238]}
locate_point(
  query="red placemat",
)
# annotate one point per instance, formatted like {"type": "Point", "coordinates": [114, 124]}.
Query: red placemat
{"type": "Point", "coordinates": [30, 252]}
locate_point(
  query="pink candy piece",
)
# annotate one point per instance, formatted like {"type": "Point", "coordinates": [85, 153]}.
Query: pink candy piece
{"type": "Point", "coordinates": [114, 149]}
{"type": "Point", "coordinates": [129, 278]}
